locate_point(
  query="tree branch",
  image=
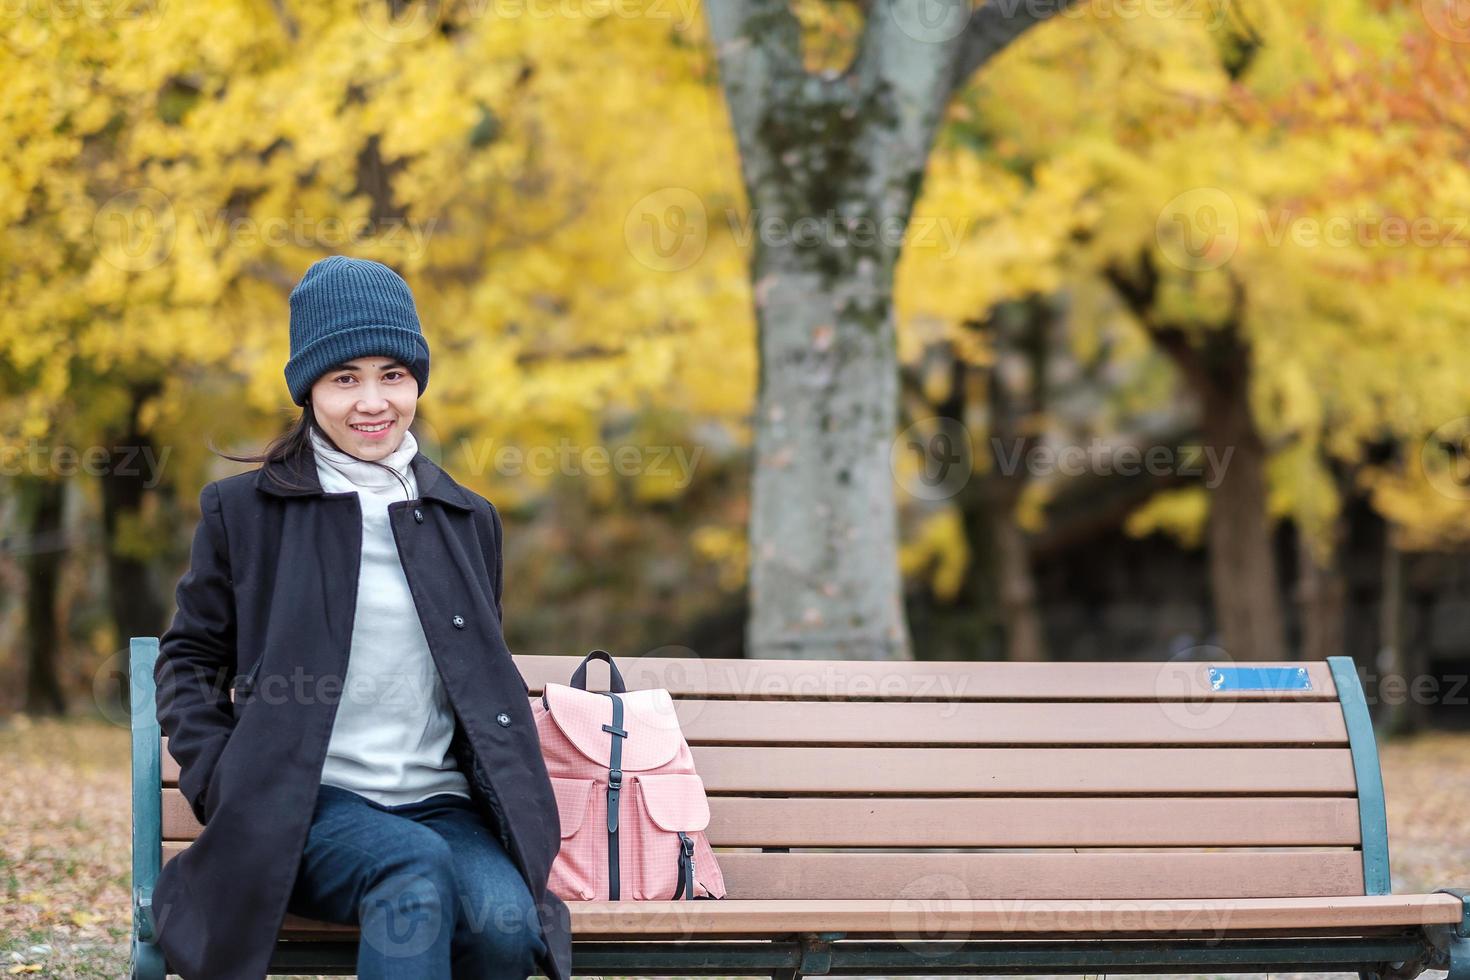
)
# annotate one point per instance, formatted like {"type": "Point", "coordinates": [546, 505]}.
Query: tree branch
{"type": "Point", "coordinates": [995, 25]}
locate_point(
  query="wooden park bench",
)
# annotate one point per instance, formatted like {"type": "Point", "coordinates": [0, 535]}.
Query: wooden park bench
{"type": "Point", "coordinates": [978, 818]}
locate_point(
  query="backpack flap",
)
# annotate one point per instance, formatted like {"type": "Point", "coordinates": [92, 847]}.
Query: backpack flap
{"type": "Point", "coordinates": [675, 800]}
{"type": "Point", "coordinates": [573, 797]}
{"type": "Point", "coordinates": [654, 738]}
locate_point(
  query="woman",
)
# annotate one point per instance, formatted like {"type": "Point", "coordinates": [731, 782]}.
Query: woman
{"type": "Point", "coordinates": [379, 765]}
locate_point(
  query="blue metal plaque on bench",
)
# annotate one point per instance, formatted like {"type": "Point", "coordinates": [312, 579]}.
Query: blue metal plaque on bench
{"type": "Point", "coordinates": [1260, 679]}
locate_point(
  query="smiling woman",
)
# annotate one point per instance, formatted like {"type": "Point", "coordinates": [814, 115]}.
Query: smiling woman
{"type": "Point", "coordinates": [410, 776]}
{"type": "Point", "coordinates": [366, 405]}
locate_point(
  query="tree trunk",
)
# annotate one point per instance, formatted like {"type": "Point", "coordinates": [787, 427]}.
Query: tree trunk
{"type": "Point", "coordinates": [999, 583]}
{"type": "Point", "coordinates": [44, 695]}
{"type": "Point", "coordinates": [833, 162]}
{"type": "Point", "coordinates": [1396, 714]}
{"type": "Point", "coordinates": [1215, 362]}
{"type": "Point", "coordinates": [1019, 612]}
{"type": "Point", "coordinates": [1243, 575]}
{"type": "Point", "coordinates": [824, 579]}
{"type": "Point", "coordinates": [132, 599]}
{"type": "Point", "coordinates": [1322, 594]}
{"type": "Point", "coordinates": [1025, 332]}
{"type": "Point", "coordinates": [131, 596]}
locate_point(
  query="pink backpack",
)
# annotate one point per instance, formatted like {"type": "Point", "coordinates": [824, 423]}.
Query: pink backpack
{"type": "Point", "coordinates": [632, 808]}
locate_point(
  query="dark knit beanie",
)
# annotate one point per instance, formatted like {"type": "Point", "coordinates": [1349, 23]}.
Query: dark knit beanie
{"type": "Point", "coordinates": [344, 308]}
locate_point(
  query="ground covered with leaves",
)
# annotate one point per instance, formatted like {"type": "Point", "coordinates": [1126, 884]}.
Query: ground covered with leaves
{"type": "Point", "coordinates": [64, 796]}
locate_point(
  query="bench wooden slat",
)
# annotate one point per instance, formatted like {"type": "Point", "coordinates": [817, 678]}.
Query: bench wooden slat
{"type": "Point", "coordinates": [959, 919]}
{"type": "Point", "coordinates": [1028, 822]}
{"type": "Point", "coordinates": [980, 771]}
{"type": "Point", "coordinates": [737, 821]}
{"type": "Point", "coordinates": [945, 877]}
{"type": "Point", "coordinates": [902, 771]}
{"type": "Point", "coordinates": [1049, 875]}
{"type": "Point", "coordinates": [1011, 723]}
{"type": "Point", "coordinates": [928, 918]}
{"type": "Point", "coordinates": [907, 680]}
{"type": "Point", "coordinates": [299, 928]}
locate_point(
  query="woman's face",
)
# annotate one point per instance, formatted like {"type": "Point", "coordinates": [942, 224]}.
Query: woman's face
{"type": "Point", "coordinates": [360, 395]}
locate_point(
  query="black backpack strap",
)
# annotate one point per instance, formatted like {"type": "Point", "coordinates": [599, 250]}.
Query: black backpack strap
{"type": "Point", "coordinates": [579, 676]}
{"type": "Point", "coordinates": [686, 866]}
{"type": "Point", "coordinates": [614, 782]}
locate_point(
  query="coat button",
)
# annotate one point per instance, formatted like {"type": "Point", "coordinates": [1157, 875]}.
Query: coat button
{"type": "Point", "coordinates": [418, 515]}
{"type": "Point", "coordinates": [504, 719]}
{"type": "Point", "coordinates": [458, 622]}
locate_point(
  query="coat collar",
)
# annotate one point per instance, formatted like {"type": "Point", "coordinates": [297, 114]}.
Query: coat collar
{"type": "Point", "coordinates": [434, 483]}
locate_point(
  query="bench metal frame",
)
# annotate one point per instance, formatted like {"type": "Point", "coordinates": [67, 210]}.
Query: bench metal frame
{"type": "Point", "coordinates": [791, 956]}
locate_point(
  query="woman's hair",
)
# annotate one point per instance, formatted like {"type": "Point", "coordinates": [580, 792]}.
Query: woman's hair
{"type": "Point", "coordinates": [290, 449]}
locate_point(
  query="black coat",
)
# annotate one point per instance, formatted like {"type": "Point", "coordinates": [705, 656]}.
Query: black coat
{"type": "Point", "coordinates": [272, 590]}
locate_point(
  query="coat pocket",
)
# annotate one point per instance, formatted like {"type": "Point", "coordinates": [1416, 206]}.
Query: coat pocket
{"type": "Point", "coordinates": [580, 865]}
{"type": "Point", "coordinates": [243, 687]}
{"type": "Point", "coordinates": [670, 813]}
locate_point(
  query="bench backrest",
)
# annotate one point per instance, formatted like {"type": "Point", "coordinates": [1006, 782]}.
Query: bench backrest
{"type": "Point", "coordinates": [958, 780]}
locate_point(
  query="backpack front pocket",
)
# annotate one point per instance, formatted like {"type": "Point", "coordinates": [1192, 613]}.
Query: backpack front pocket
{"type": "Point", "coordinates": [580, 864]}
{"type": "Point", "coordinates": [670, 813]}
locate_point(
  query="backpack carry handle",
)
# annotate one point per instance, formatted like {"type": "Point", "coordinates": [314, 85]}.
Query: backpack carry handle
{"type": "Point", "coordinates": [579, 676]}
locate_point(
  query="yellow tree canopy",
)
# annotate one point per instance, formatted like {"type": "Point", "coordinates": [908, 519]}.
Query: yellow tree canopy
{"type": "Point", "coordinates": [1311, 154]}
{"type": "Point", "coordinates": [555, 190]}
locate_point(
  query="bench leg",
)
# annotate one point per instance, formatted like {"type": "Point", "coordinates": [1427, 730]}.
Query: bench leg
{"type": "Point", "coordinates": [816, 956]}
{"type": "Point", "coordinates": [147, 962]}
{"type": "Point", "coordinates": [147, 774]}
{"type": "Point", "coordinates": [1459, 959]}
{"type": "Point", "coordinates": [1452, 943]}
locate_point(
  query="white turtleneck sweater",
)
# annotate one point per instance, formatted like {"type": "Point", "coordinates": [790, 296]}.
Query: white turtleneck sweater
{"type": "Point", "coordinates": [390, 736]}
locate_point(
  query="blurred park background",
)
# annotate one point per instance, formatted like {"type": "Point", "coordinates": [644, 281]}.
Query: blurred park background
{"type": "Point", "coordinates": [1125, 329]}
{"type": "Point", "coordinates": [1121, 329]}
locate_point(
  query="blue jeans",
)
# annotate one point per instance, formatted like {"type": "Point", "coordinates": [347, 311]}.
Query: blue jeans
{"type": "Point", "coordinates": [430, 887]}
